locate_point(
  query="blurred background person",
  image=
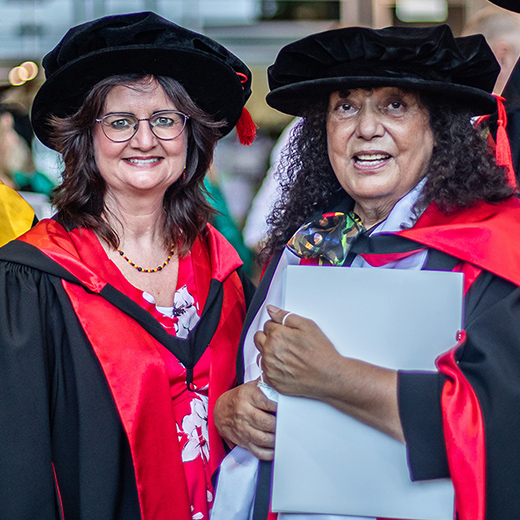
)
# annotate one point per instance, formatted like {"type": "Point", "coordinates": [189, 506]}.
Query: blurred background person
{"type": "Point", "coordinates": [501, 28]}
{"type": "Point", "coordinates": [16, 215]}
{"type": "Point", "coordinates": [511, 90]}
{"type": "Point", "coordinates": [17, 169]}
{"type": "Point", "coordinates": [224, 222]}
{"type": "Point", "coordinates": [256, 227]}
{"type": "Point", "coordinates": [13, 154]}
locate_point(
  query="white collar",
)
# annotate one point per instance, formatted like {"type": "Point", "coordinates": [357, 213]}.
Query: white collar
{"type": "Point", "coordinates": [402, 215]}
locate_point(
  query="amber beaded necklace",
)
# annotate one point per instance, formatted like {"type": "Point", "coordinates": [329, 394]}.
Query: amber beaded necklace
{"type": "Point", "coordinates": [142, 269]}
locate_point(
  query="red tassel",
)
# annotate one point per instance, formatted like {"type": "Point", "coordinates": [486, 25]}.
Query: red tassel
{"type": "Point", "coordinates": [246, 128]}
{"type": "Point", "coordinates": [503, 149]}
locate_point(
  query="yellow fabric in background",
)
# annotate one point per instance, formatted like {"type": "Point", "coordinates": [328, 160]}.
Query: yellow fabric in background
{"type": "Point", "coordinates": [16, 215]}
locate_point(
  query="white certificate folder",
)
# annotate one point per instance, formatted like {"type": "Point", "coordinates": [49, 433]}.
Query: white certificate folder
{"type": "Point", "coordinates": [325, 461]}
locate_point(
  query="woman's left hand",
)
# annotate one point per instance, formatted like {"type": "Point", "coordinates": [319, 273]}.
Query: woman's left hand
{"type": "Point", "coordinates": [298, 359]}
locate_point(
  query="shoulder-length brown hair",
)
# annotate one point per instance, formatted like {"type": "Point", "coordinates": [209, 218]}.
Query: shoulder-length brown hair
{"type": "Point", "coordinates": [80, 199]}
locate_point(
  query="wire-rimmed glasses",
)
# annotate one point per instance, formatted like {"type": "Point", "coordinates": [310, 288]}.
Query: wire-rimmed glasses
{"type": "Point", "coordinates": [166, 125]}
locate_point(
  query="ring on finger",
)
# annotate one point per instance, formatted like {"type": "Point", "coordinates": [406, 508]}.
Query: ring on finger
{"type": "Point", "coordinates": [285, 317]}
{"type": "Point", "coordinates": [259, 363]}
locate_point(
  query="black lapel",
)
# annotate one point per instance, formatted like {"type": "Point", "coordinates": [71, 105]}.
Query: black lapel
{"type": "Point", "coordinates": [256, 303]}
{"type": "Point", "coordinates": [187, 350]}
{"type": "Point", "coordinates": [383, 244]}
{"type": "Point", "coordinates": [263, 491]}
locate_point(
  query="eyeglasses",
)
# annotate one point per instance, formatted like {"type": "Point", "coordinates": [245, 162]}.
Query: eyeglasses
{"type": "Point", "coordinates": [165, 125]}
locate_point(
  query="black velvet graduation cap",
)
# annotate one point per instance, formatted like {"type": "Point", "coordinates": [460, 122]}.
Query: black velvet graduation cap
{"type": "Point", "coordinates": [218, 81]}
{"type": "Point", "coordinates": [428, 58]}
{"type": "Point", "coordinates": [512, 5]}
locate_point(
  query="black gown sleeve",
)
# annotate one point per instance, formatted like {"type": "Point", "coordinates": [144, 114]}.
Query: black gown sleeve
{"type": "Point", "coordinates": [27, 327]}
{"type": "Point", "coordinates": [419, 392]}
{"type": "Point", "coordinates": [490, 360]}
{"type": "Point", "coordinates": [57, 414]}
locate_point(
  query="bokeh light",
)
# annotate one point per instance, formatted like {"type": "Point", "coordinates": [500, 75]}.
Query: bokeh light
{"type": "Point", "coordinates": [23, 73]}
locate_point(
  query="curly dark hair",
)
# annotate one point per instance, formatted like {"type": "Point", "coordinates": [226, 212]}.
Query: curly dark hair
{"type": "Point", "coordinates": [462, 169]}
{"type": "Point", "coordinates": [80, 199]}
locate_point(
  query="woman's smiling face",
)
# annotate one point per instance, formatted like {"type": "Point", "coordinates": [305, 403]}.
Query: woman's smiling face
{"type": "Point", "coordinates": [143, 163]}
{"type": "Point", "coordinates": [379, 144]}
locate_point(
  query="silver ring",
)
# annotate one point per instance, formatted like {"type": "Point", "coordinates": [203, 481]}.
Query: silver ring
{"type": "Point", "coordinates": [285, 317]}
{"type": "Point", "coordinates": [259, 363]}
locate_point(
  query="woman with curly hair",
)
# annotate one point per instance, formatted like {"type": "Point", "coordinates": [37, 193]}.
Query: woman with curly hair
{"type": "Point", "coordinates": [387, 170]}
{"type": "Point", "coordinates": [121, 316]}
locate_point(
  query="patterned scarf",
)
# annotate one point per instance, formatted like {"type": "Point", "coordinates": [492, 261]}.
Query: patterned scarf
{"type": "Point", "coordinates": [329, 238]}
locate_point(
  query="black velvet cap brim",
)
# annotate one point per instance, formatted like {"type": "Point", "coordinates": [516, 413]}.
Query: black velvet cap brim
{"type": "Point", "coordinates": [65, 90]}
{"type": "Point", "coordinates": [464, 70]}
{"type": "Point", "coordinates": [512, 5]}
{"type": "Point", "coordinates": [295, 98]}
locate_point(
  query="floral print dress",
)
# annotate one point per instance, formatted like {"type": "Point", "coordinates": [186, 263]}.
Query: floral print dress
{"type": "Point", "coordinates": [189, 407]}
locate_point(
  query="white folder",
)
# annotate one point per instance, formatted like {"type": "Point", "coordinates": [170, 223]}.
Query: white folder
{"type": "Point", "coordinates": [327, 462]}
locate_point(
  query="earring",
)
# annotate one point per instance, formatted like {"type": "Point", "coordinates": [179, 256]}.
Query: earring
{"type": "Point", "coordinates": [184, 173]}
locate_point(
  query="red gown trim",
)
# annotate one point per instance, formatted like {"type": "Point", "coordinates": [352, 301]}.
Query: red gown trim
{"type": "Point", "coordinates": [480, 235]}
{"type": "Point", "coordinates": [139, 381]}
{"type": "Point", "coordinates": [464, 437]}
{"type": "Point", "coordinates": [135, 372]}
{"type": "Point", "coordinates": [378, 260]}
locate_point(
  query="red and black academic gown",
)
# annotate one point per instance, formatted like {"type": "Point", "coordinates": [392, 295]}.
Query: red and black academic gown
{"type": "Point", "coordinates": [86, 423]}
{"type": "Point", "coordinates": [462, 421]}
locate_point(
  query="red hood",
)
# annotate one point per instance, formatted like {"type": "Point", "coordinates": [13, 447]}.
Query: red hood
{"type": "Point", "coordinates": [485, 235]}
{"type": "Point", "coordinates": [78, 250]}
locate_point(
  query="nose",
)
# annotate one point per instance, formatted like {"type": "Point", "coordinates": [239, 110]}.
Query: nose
{"type": "Point", "coordinates": [144, 138]}
{"type": "Point", "coordinates": [369, 124]}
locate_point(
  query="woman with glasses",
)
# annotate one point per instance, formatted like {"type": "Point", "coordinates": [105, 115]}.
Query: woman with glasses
{"type": "Point", "coordinates": [122, 314]}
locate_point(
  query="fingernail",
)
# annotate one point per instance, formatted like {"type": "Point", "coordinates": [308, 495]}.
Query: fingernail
{"type": "Point", "coordinates": [272, 308]}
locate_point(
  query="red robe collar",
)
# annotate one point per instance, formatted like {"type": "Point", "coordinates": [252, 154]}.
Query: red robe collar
{"type": "Point", "coordinates": [485, 235]}
{"type": "Point", "coordinates": [138, 382]}
{"type": "Point", "coordinates": [79, 251]}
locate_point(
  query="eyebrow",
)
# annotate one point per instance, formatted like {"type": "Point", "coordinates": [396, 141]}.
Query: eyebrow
{"type": "Point", "coordinates": [155, 112]}
{"type": "Point", "coordinates": [120, 114]}
{"type": "Point", "coordinates": [344, 93]}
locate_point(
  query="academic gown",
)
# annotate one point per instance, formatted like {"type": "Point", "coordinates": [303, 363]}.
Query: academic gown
{"type": "Point", "coordinates": [86, 423]}
{"type": "Point", "coordinates": [461, 421]}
